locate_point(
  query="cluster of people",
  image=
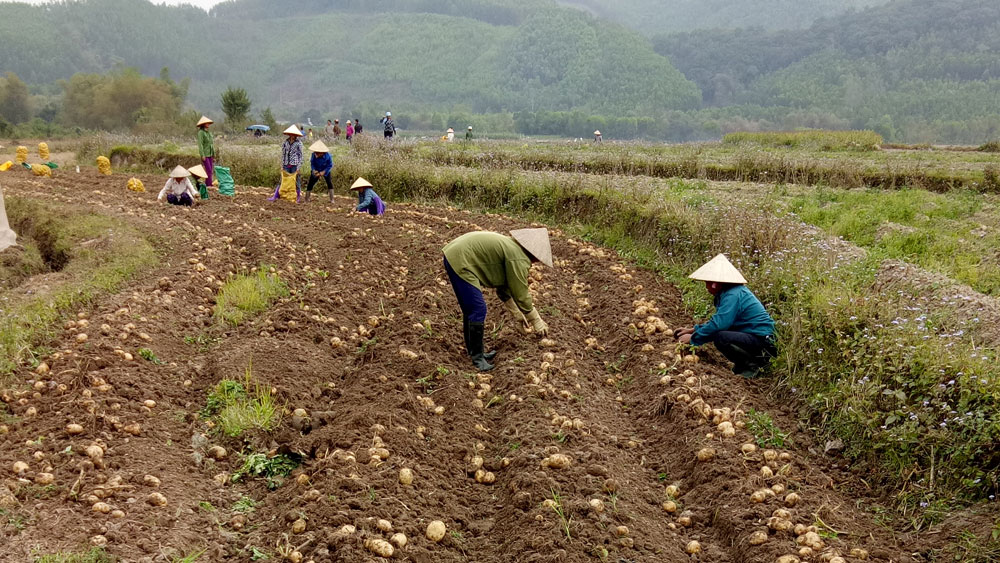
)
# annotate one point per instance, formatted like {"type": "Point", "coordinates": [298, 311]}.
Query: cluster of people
{"type": "Point", "coordinates": [741, 328]}
{"type": "Point", "coordinates": [332, 131]}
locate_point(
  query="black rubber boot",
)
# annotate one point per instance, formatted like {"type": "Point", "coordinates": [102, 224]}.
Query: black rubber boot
{"type": "Point", "coordinates": [476, 347]}
{"type": "Point", "coordinates": [468, 347]}
{"type": "Point", "coordinates": [308, 195]}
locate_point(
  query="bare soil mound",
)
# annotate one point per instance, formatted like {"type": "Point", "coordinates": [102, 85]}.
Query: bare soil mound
{"type": "Point", "coordinates": [567, 451]}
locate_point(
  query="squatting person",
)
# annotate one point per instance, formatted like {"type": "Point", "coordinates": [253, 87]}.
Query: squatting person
{"type": "Point", "coordinates": [484, 259]}
{"type": "Point", "coordinates": [368, 201]}
{"type": "Point", "coordinates": [740, 328]}
{"type": "Point", "coordinates": [321, 165]}
{"type": "Point", "coordinates": [178, 189]}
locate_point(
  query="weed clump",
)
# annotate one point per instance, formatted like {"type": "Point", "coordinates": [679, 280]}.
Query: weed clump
{"type": "Point", "coordinates": [238, 406]}
{"type": "Point", "coordinates": [247, 295]}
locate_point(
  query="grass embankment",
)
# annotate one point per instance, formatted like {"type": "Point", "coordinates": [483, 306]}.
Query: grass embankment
{"type": "Point", "coordinates": [917, 407]}
{"type": "Point", "coordinates": [93, 255]}
{"type": "Point", "coordinates": [243, 296]}
{"type": "Point", "coordinates": [814, 139]}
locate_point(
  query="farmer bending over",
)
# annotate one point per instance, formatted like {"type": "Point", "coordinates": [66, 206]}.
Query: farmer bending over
{"type": "Point", "coordinates": [321, 165]}
{"type": "Point", "coordinates": [740, 328]}
{"type": "Point", "coordinates": [484, 259]}
{"type": "Point", "coordinates": [178, 189]}
{"type": "Point", "coordinates": [368, 201]}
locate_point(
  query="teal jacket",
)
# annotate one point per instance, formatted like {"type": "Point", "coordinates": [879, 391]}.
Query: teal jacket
{"type": "Point", "coordinates": [737, 309]}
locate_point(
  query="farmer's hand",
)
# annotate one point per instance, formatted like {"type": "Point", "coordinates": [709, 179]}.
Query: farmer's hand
{"type": "Point", "coordinates": [685, 338]}
{"type": "Point", "coordinates": [537, 324]}
{"type": "Point", "coordinates": [682, 331]}
{"type": "Point", "coordinates": [515, 311]}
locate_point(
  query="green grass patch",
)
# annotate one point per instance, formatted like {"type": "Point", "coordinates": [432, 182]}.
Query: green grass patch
{"type": "Point", "coordinates": [96, 255]}
{"type": "Point", "coordinates": [765, 430]}
{"type": "Point", "coordinates": [814, 139]}
{"type": "Point", "coordinates": [94, 555]}
{"type": "Point", "coordinates": [273, 469]}
{"type": "Point", "coordinates": [239, 406]}
{"type": "Point", "coordinates": [244, 295]}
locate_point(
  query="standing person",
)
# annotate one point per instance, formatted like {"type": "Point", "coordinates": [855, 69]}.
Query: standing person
{"type": "Point", "coordinates": [291, 159]}
{"type": "Point", "coordinates": [328, 130]}
{"type": "Point", "coordinates": [350, 131]}
{"type": "Point", "coordinates": [199, 174]}
{"type": "Point", "coordinates": [321, 165]}
{"type": "Point", "coordinates": [206, 148]}
{"type": "Point", "coordinates": [468, 134]}
{"type": "Point", "coordinates": [388, 127]}
{"type": "Point", "coordinates": [597, 137]}
{"type": "Point", "coordinates": [368, 201]}
{"type": "Point", "coordinates": [178, 189]}
{"type": "Point", "coordinates": [740, 328]}
{"type": "Point", "coordinates": [483, 259]}
{"type": "Point", "coordinates": [336, 129]}
{"type": "Point", "coordinates": [449, 135]}
{"type": "Point", "coordinates": [357, 126]}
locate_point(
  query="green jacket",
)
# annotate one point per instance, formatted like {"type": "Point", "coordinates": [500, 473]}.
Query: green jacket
{"type": "Point", "coordinates": [487, 259]}
{"type": "Point", "coordinates": [205, 146]}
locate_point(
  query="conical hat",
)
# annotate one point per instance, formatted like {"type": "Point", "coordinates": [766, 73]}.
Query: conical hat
{"type": "Point", "coordinates": [536, 242]}
{"type": "Point", "coordinates": [179, 172]}
{"type": "Point", "coordinates": [318, 146]}
{"type": "Point", "coordinates": [470, 128]}
{"type": "Point", "coordinates": [450, 130]}
{"type": "Point", "coordinates": [199, 171]}
{"type": "Point", "coordinates": [719, 269]}
{"type": "Point", "coordinates": [203, 121]}
{"type": "Point", "coordinates": [293, 130]}
{"type": "Point", "coordinates": [361, 183]}
{"type": "Point", "coordinates": [598, 132]}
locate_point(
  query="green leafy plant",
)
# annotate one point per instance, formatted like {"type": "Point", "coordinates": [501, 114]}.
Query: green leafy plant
{"type": "Point", "coordinates": [271, 468]}
{"type": "Point", "coordinates": [765, 430]}
{"type": "Point", "coordinates": [149, 356]}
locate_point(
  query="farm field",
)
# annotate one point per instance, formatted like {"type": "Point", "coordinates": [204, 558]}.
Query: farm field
{"type": "Point", "coordinates": [172, 430]}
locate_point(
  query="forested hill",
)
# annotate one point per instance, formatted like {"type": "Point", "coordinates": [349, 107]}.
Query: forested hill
{"type": "Point", "coordinates": [297, 55]}
{"type": "Point", "coordinates": [914, 66]}
{"type": "Point", "coordinates": [664, 16]}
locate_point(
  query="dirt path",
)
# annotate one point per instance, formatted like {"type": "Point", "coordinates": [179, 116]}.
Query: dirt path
{"type": "Point", "coordinates": [630, 414]}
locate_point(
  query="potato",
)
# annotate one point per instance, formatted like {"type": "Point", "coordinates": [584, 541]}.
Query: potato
{"type": "Point", "coordinates": [299, 526]}
{"type": "Point", "coordinates": [151, 481]}
{"type": "Point", "coordinates": [157, 499]}
{"type": "Point", "coordinates": [597, 505]}
{"type": "Point", "coordinates": [381, 548]}
{"type": "Point", "coordinates": [758, 538]}
{"type": "Point", "coordinates": [101, 507]}
{"type": "Point", "coordinates": [693, 547]}
{"type": "Point", "coordinates": [45, 478]}
{"type": "Point", "coordinates": [672, 491]}
{"type": "Point", "coordinates": [622, 531]}
{"type": "Point", "coordinates": [777, 488]}
{"type": "Point", "coordinates": [812, 540]}
{"type": "Point", "coordinates": [788, 559]}
{"type": "Point", "coordinates": [859, 553]}
{"type": "Point", "coordinates": [19, 467]}
{"type": "Point", "coordinates": [670, 506]}
{"type": "Point", "coordinates": [399, 540]}
{"type": "Point", "coordinates": [406, 476]}
{"type": "Point", "coordinates": [758, 497]}
{"type": "Point", "coordinates": [782, 513]}
{"type": "Point", "coordinates": [557, 461]}
{"type": "Point", "coordinates": [791, 499]}
{"type": "Point", "coordinates": [94, 452]}
{"type": "Point", "coordinates": [770, 455]}
{"type": "Point", "coordinates": [705, 454]}
{"type": "Point", "coordinates": [766, 472]}
{"type": "Point", "coordinates": [435, 531]}
{"type": "Point", "coordinates": [686, 519]}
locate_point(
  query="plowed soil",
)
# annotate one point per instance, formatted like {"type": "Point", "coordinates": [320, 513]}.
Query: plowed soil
{"type": "Point", "coordinates": [628, 411]}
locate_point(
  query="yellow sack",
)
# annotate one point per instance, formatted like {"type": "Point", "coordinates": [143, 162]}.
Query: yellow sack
{"type": "Point", "coordinates": [104, 165]}
{"type": "Point", "coordinates": [135, 185]}
{"type": "Point", "coordinates": [6, 166]}
{"type": "Point", "coordinates": [41, 170]}
{"type": "Point", "coordinates": [22, 155]}
{"type": "Point", "coordinates": [43, 151]}
{"type": "Point", "coordinates": [287, 189]}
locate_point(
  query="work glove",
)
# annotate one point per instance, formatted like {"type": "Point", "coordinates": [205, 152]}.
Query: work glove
{"type": "Point", "coordinates": [515, 311]}
{"type": "Point", "coordinates": [537, 324]}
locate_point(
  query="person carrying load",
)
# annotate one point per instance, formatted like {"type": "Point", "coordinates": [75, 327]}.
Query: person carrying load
{"type": "Point", "coordinates": [740, 328]}
{"type": "Point", "coordinates": [178, 189]}
{"type": "Point", "coordinates": [291, 160]}
{"type": "Point", "coordinates": [368, 201]}
{"type": "Point", "coordinates": [485, 259]}
{"type": "Point", "coordinates": [321, 165]}
{"type": "Point", "coordinates": [206, 148]}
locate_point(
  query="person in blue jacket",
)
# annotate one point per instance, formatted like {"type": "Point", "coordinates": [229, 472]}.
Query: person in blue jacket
{"type": "Point", "coordinates": [321, 164]}
{"type": "Point", "coordinates": [368, 201]}
{"type": "Point", "coordinates": [740, 328]}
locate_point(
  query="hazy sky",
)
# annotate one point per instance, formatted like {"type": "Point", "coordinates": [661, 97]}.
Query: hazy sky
{"type": "Point", "coordinates": [206, 4]}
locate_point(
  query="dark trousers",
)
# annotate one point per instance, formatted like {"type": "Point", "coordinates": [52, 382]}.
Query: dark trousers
{"type": "Point", "coordinates": [183, 199]}
{"type": "Point", "coordinates": [313, 179]}
{"type": "Point", "coordinates": [470, 298]}
{"type": "Point", "coordinates": [746, 351]}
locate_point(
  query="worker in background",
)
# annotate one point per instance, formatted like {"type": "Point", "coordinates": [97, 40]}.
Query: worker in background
{"type": "Point", "coordinates": [468, 134]}
{"type": "Point", "coordinates": [291, 158]}
{"type": "Point", "coordinates": [449, 135]}
{"type": "Point", "coordinates": [368, 201]}
{"type": "Point", "coordinates": [349, 132]}
{"type": "Point", "coordinates": [199, 174]}
{"type": "Point", "coordinates": [178, 189]}
{"type": "Point", "coordinates": [597, 137]}
{"type": "Point", "coordinates": [321, 165]}
{"type": "Point", "coordinates": [388, 127]}
{"type": "Point", "coordinates": [206, 148]}
{"type": "Point", "coordinates": [740, 328]}
{"type": "Point", "coordinates": [485, 259]}
{"type": "Point", "coordinates": [336, 129]}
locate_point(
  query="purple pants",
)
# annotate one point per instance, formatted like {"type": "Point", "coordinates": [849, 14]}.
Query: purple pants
{"type": "Point", "coordinates": [209, 163]}
{"type": "Point", "coordinates": [183, 199]}
{"type": "Point", "coordinates": [470, 298]}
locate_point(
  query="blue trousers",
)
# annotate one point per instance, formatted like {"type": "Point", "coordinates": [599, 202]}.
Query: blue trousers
{"type": "Point", "coordinates": [183, 199]}
{"type": "Point", "coordinates": [470, 298]}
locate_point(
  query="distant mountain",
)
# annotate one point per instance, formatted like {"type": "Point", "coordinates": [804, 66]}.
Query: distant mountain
{"type": "Point", "coordinates": [665, 16]}
{"type": "Point", "coordinates": [297, 55]}
{"type": "Point", "coordinates": [916, 69]}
